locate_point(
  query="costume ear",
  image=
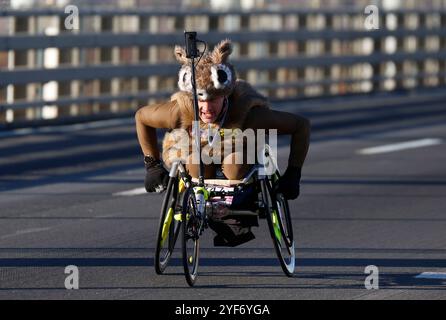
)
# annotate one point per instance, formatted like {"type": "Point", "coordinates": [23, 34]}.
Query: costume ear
{"type": "Point", "coordinates": [180, 54]}
{"type": "Point", "coordinates": [221, 52]}
{"type": "Point", "coordinates": [185, 79]}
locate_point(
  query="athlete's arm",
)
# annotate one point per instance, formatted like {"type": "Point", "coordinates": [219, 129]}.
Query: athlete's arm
{"type": "Point", "coordinates": [148, 118]}
{"type": "Point", "coordinates": [285, 123]}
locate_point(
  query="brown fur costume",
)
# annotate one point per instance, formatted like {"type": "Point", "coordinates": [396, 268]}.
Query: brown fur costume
{"type": "Point", "coordinates": [212, 71]}
{"type": "Point", "coordinates": [243, 98]}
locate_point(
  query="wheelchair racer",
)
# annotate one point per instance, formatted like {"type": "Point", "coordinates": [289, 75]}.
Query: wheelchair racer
{"type": "Point", "coordinates": [224, 103]}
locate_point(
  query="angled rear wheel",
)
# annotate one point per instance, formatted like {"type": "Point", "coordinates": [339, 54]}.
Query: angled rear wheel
{"type": "Point", "coordinates": [169, 226]}
{"type": "Point", "coordinates": [280, 226]}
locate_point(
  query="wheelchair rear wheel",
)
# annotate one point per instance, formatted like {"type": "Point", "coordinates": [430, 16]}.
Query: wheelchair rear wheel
{"type": "Point", "coordinates": [280, 226]}
{"type": "Point", "coordinates": [169, 227]}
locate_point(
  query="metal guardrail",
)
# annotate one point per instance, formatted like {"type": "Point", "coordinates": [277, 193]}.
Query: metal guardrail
{"type": "Point", "coordinates": [166, 69]}
{"type": "Point", "coordinates": [165, 94]}
{"type": "Point", "coordinates": [20, 76]}
{"type": "Point", "coordinates": [181, 12]}
{"type": "Point", "coordinates": [109, 39]}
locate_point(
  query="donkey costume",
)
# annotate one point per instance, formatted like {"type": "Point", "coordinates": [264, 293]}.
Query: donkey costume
{"type": "Point", "coordinates": [246, 108]}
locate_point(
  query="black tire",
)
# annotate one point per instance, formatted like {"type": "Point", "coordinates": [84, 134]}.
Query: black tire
{"type": "Point", "coordinates": [168, 229]}
{"type": "Point", "coordinates": [280, 226]}
{"type": "Point", "coordinates": [191, 241]}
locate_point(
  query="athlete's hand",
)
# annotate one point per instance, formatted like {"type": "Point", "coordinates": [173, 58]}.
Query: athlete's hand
{"type": "Point", "coordinates": [289, 183]}
{"type": "Point", "coordinates": [156, 177]}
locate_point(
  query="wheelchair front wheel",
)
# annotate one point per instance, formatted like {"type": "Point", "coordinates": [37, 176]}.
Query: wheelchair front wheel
{"type": "Point", "coordinates": [280, 226]}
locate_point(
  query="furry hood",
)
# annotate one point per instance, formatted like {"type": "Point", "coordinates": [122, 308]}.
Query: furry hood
{"type": "Point", "coordinates": [214, 75]}
{"type": "Point", "coordinates": [243, 98]}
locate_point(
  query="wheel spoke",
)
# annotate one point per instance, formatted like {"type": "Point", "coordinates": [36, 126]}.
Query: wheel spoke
{"type": "Point", "coordinates": [166, 226]}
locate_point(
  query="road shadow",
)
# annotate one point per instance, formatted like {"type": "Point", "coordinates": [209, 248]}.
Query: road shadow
{"type": "Point", "coordinates": [223, 262]}
{"type": "Point", "coordinates": [275, 281]}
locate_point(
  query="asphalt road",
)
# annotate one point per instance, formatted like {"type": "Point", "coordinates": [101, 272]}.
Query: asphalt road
{"type": "Point", "coordinates": [58, 207]}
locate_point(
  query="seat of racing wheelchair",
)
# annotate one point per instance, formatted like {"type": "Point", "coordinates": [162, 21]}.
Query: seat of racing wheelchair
{"type": "Point", "coordinates": [220, 182]}
{"type": "Point", "coordinates": [234, 227]}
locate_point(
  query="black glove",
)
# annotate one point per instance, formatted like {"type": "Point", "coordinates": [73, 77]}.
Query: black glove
{"type": "Point", "coordinates": [156, 176]}
{"type": "Point", "coordinates": [289, 183]}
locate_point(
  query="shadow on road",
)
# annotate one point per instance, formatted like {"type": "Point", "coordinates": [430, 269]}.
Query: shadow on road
{"type": "Point", "coordinates": [219, 262]}
{"type": "Point", "coordinates": [301, 281]}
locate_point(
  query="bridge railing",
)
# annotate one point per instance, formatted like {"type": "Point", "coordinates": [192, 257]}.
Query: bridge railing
{"type": "Point", "coordinates": [119, 60]}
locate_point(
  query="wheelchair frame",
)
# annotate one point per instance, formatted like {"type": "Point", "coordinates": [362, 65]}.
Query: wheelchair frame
{"type": "Point", "coordinates": [185, 200]}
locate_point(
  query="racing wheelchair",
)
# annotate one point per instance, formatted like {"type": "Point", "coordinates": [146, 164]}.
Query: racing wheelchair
{"type": "Point", "coordinates": [185, 211]}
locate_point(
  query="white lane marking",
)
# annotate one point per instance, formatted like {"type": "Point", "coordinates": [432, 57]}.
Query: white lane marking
{"type": "Point", "coordinates": [431, 275]}
{"type": "Point", "coordinates": [25, 231]}
{"type": "Point", "coordinates": [67, 128]}
{"type": "Point", "coordinates": [129, 193]}
{"type": "Point", "coordinates": [401, 146]}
